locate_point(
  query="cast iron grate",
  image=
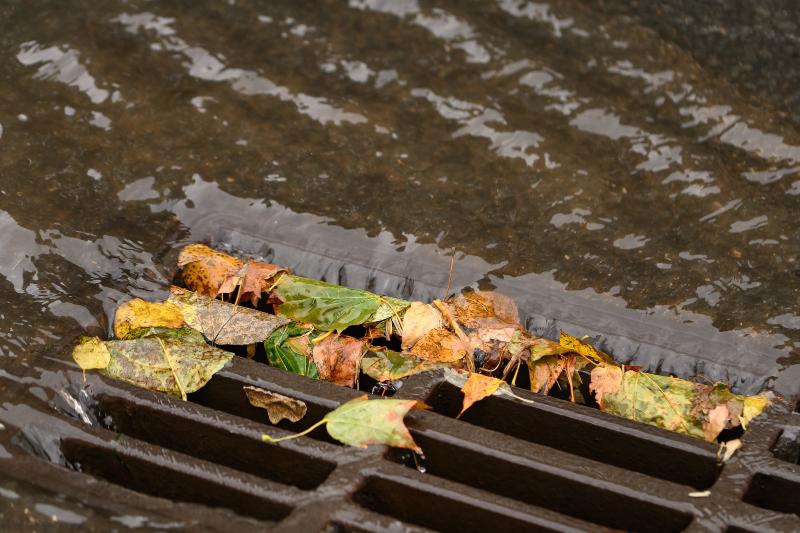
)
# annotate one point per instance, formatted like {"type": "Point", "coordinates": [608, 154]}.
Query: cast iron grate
{"type": "Point", "coordinates": [550, 465]}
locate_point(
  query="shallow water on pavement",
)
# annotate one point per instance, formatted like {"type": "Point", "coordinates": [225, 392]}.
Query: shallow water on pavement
{"type": "Point", "coordinates": [569, 155]}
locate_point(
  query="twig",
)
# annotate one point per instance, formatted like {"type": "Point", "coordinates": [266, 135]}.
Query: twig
{"type": "Point", "coordinates": [450, 274]}
{"type": "Point", "coordinates": [458, 331]}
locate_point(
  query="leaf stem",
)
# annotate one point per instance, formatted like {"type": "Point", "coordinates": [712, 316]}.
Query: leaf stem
{"type": "Point", "coordinates": [267, 438]}
{"type": "Point", "coordinates": [165, 352]}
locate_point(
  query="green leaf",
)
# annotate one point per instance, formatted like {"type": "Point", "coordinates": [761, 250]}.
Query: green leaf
{"type": "Point", "coordinates": [282, 352]}
{"type": "Point", "coordinates": [177, 362]}
{"type": "Point", "coordinates": [332, 307]}
{"type": "Point", "coordinates": [389, 365]}
{"type": "Point", "coordinates": [224, 323]}
{"type": "Point", "coordinates": [361, 422]}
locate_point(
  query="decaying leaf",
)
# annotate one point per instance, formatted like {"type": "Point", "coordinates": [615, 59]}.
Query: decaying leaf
{"type": "Point", "coordinates": [440, 345]}
{"type": "Point", "coordinates": [331, 307]}
{"type": "Point", "coordinates": [389, 365]}
{"type": "Point", "coordinates": [224, 323]}
{"type": "Point", "coordinates": [477, 388]}
{"type": "Point", "coordinates": [544, 372]}
{"type": "Point", "coordinates": [361, 422]}
{"type": "Point", "coordinates": [606, 378]}
{"type": "Point", "coordinates": [212, 273]}
{"type": "Point", "coordinates": [727, 449]}
{"type": "Point", "coordinates": [137, 313]}
{"type": "Point", "coordinates": [177, 364]}
{"type": "Point", "coordinates": [289, 348]}
{"type": "Point", "coordinates": [418, 320]}
{"type": "Point", "coordinates": [459, 379]}
{"type": "Point", "coordinates": [278, 406]}
{"type": "Point", "coordinates": [338, 357]}
{"type": "Point", "coordinates": [483, 304]}
{"type": "Point", "coordinates": [206, 270]}
{"type": "Point", "coordinates": [680, 405]}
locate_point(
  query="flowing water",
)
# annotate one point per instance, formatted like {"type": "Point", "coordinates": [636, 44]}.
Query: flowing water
{"type": "Point", "coordinates": [621, 171]}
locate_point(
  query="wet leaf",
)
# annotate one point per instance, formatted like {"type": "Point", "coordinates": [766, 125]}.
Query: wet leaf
{"type": "Point", "coordinates": [177, 365]}
{"type": "Point", "coordinates": [362, 422]}
{"type": "Point", "coordinates": [606, 379]}
{"type": "Point", "coordinates": [459, 379]}
{"type": "Point", "coordinates": [540, 347]}
{"type": "Point", "coordinates": [752, 406]}
{"type": "Point", "coordinates": [478, 387]}
{"type": "Point", "coordinates": [137, 313]}
{"type": "Point", "coordinates": [418, 320]}
{"type": "Point", "coordinates": [544, 372]}
{"type": "Point", "coordinates": [389, 365]}
{"type": "Point", "coordinates": [472, 305]}
{"type": "Point", "coordinates": [338, 357]}
{"type": "Point", "coordinates": [256, 277]}
{"type": "Point", "coordinates": [278, 406]}
{"type": "Point", "coordinates": [206, 270]}
{"type": "Point", "coordinates": [585, 349]}
{"type": "Point", "coordinates": [695, 409]}
{"type": "Point", "coordinates": [91, 353]}
{"type": "Point", "coordinates": [289, 348]}
{"type": "Point", "coordinates": [440, 345]}
{"type": "Point", "coordinates": [224, 323]}
{"type": "Point", "coordinates": [331, 307]}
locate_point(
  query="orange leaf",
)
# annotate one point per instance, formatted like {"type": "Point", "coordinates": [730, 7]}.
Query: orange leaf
{"type": "Point", "coordinates": [477, 388]}
{"type": "Point", "coordinates": [206, 271]}
{"type": "Point", "coordinates": [606, 379]}
{"type": "Point", "coordinates": [256, 277]}
{"type": "Point", "coordinates": [440, 345]}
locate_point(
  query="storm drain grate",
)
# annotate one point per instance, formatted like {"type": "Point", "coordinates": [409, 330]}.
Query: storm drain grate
{"type": "Point", "coordinates": [547, 465]}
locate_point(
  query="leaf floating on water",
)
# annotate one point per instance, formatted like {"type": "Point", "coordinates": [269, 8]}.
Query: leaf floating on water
{"type": "Point", "coordinates": [289, 348]}
{"type": "Point", "coordinates": [331, 307]}
{"type": "Point", "coordinates": [418, 320]}
{"type": "Point", "coordinates": [177, 364]}
{"type": "Point", "coordinates": [361, 422]}
{"type": "Point", "coordinates": [224, 323]}
{"type": "Point", "coordinates": [389, 365]}
{"type": "Point", "coordinates": [135, 314]}
{"type": "Point", "coordinates": [278, 406]}
{"type": "Point", "coordinates": [478, 387]}
{"type": "Point", "coordinates": [338, 358]}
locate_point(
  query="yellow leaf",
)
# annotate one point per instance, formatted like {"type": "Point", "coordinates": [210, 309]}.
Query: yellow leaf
{"type": "Point", "coordinates": [584, 349]}
{"type": "Point", "coordinates": [753, 406]}
{"type": "Point", "coordinates": [91, 354]}
{"type": "Point", "coordinates": [138, 313]}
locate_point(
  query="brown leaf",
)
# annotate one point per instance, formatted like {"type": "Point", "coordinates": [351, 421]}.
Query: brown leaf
{"type": "Point", "coordinates": [545, 372]}
{"type": "Point", "coordinates": [477, 388]}
{"type": "Point", "coordinates": [483, 304]}
{"type": "Point", "coordinates": [606, 379]}
{"type": "Point", "coordinates": [418, 320]}
{"type": "Point", "coordinates": [338, 357]}
{"type": "Point", "coordinates": [440, 345]}
{"type": "Point", "coordinates": [256, 277]}
{"type": "Point", "coordinates": [206, 270]}
{"type": "Point", "coordinates": [277, 405]}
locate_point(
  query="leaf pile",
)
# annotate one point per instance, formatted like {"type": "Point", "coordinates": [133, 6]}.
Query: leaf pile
{"type": "Point", "coordinates": [339, 334]}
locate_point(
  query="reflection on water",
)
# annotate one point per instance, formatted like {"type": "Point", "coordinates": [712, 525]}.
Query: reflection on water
{"type": "Point", "coordinates": [569, 156]}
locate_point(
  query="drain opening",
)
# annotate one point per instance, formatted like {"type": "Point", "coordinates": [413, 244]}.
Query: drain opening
{"type": "Point", "coordinates": [218, 442]}
{"type": "Point", "coordinates": [546, 486]}
{"type": "Point", "coordinates": [141, 475]}
{"type": "Point", "coordinates": [671, 458]}
{"type": "Point", "coordinates": [775, 493]}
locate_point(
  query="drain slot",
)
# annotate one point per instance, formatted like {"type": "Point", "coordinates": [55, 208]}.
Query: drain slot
{"type": "Point", "coordinates": [670, 457]}
{"type": "Point", "coordinates": [414, 503]}
{"type": "Point", "coordinates": [222, 442]}
{"type": "Point", "coordinates": [774, 493]}
{"type": "Point", "coordinates": [146, 474]}
{"type": "Point", "coordinates": [547, 486]}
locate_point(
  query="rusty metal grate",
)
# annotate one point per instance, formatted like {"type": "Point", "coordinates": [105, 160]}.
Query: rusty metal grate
{"type": "Point", "coordinates": [550, 465]}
